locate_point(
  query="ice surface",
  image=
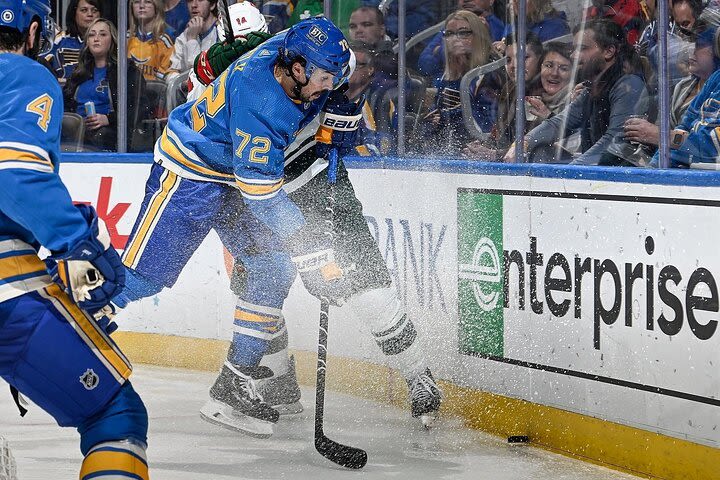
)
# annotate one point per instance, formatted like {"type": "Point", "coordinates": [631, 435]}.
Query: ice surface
{"type": "Point", "coordinates": [184, 447]}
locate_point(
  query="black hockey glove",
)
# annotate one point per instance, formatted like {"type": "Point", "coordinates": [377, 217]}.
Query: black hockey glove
{"type": "Point", "coordinates": [323, 277]}
{"type": "Point", "coordinates": [339, 123]}
{"type": "Point", "coordinates": [315, 261]}
{"type": "Point", "coordinates": [212, 62]}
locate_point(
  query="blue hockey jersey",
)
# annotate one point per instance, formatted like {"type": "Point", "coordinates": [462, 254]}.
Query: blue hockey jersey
{"type": "Point", "coordinates": [702, 122]}
{"type": "Point", "coordinates": [237, 131]}
{"type": "Point", "coordinates": [35, 207]}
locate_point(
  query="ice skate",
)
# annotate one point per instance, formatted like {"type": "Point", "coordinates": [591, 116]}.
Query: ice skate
{"type": "Point", "coordinates": [236, 404]}
{"type": "Point", "coordinates": [282, 393]}
{"type": "Point", "coordinates": [425, 398]}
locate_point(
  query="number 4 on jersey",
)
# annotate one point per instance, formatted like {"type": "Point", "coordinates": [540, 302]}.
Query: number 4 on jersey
{"type": "Point", "coordinates": [41, 106]}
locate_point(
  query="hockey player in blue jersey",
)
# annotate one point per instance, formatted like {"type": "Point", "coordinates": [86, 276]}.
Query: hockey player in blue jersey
{"type": "Point", "coordinates": [366, 287]}
{"type": "Point", "coordinates": [219, 165]}
{"type": "Point", "coordinates": [51, 348]}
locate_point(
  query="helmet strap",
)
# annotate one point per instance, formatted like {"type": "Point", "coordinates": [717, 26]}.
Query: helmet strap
{"type": "Point", "coordinates": [297, 88]}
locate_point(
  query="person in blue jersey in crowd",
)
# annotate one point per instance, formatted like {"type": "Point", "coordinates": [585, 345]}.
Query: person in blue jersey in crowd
{"type": "Point", "coordinates": [95, 82]}
{"type": "Point", "coordinates": [468, 46]}
{"type": "Point", "coordinates": [696, 139]}
{"type": "Point", "coordinates": [177, 17]}
{"type": "Point", "coordinates": [65, 52]}
{"type": "Point", "coordinates": [367, 288]}
{"type": "Point", "coordinates": [419, 15]}
{"type": "Point", "coordinates": [432, 58]}
{"type": "Point", "coordinates": [52, 348]}
{"type": "Point", "coordinates": [542, 20]}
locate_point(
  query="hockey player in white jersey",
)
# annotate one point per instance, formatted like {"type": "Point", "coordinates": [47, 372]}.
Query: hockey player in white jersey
{"type": "Point", "coordinates": [245, 19]}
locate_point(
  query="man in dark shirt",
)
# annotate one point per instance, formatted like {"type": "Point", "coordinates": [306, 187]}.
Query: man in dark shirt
{"type": "Point", "coordinates": [600, 110]}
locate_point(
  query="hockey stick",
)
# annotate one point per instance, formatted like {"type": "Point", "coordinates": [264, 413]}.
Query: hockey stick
{"type": "Point", "coordinates": [224, 17]}
{"type": "Point", "coordinates": [344, 455]}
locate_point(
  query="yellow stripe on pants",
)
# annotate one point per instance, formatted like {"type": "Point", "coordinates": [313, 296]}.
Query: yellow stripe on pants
{"type": "Point", "coordinates": [103, 347]}
{"type": "Point", "coordinates": [156, 206]}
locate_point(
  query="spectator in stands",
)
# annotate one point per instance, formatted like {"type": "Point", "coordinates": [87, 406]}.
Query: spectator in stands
{"type": "Point", "coordinates": [695, 139]}
{"type": "Point", "coordinates": [467, 45]}
{"type": "Point", "coordinates": [367, 24]}
{"type": "Point", "coordinates": [66, 50]}
{"type": "Point", "coordinates": [419, 15]}
{"type": "Point", "coordinates": [555, 79]}
{"type": "Point", "coordinates": [683, 16]}
{"type": "Point", "coordinates": [200, 34]}
{"type": "Point", "coordinates": [503, 133]}
{"type": "Point", "coordinates": [278, 13]}
{"type": "Point", "coordinates": [432, 58]}
{"type": "Point", "coordinates": [177, 17]}
{"type": "Point", "coordinates": [149, 46]}
{"type": "Point", "coordinates": [368, 140]}
{"type": "Point", "coordinates": [542, 20]}
{"type": "Point", "coordinates": [611, 96]}
{"type": "Point", "coordinates": [704, 60]}
{"type": "Point", "coordinates": [626, 13]}
{"type": "Point", "coordinates": [94, 81]}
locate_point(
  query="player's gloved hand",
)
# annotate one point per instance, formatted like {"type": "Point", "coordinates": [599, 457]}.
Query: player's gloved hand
{"type": "Point", "coordinates": [254, 39]}
{"type": "Point", "coordinates": [339, 123]}
{"type": "Point", "coordinates": [212, 62]}
{"type": "Point", "coordinates": [323, 277]}
{"type": "Point", "coordinates": [104, 318]}
{"type": "Point", "coordinates": [91, 270]}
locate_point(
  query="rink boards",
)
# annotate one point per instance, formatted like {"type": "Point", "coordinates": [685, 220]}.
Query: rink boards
{"type": "Point", "coordinates": [556, 289]}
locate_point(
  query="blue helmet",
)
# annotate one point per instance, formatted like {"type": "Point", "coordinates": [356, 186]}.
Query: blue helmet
{"type": "Point", "coordinates": [18, 14]}
{"type": "Point", "coordinates": [318, 43]}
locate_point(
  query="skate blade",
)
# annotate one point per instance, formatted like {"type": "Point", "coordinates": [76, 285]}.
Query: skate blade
{"type": "Point", "coordinates": [289, 408]}
{"type": "Point", "coordinates": [236, 422]}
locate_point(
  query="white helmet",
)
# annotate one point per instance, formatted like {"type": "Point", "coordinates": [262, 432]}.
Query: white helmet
{"type": "Point", "coordinates": [246, 18]}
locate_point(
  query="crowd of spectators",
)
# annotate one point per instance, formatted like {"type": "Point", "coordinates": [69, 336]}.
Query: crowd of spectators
{"type": "Point", "coordinates": [591, 82]}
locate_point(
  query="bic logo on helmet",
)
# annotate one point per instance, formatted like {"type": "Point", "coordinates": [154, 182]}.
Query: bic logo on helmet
{"type": "Point", "coordinates": [480, 273]}
{"type": "Point", "coordinates": [317, 36]}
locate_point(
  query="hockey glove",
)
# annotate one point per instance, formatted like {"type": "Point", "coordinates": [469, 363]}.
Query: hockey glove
{"type": "Point", "coordinates": [212, 62]}
{"type": "Point", "coordinates": [339, 123]}
{"type": "Point", "coordinates": [323, 277]}
{"type": "Point", "coordinates": [90, 271]}
{"type": "Point", "coordinates": [104, 318]}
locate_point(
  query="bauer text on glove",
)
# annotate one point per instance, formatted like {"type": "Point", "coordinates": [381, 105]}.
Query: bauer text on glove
{"type": "Point", "coordinates": [322, 276]}
{"type": "Point", "coordinates": [339, 123]}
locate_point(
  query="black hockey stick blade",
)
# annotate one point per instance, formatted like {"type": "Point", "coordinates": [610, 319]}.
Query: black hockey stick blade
{"type": "Point", "coordinates": [343, 455]}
